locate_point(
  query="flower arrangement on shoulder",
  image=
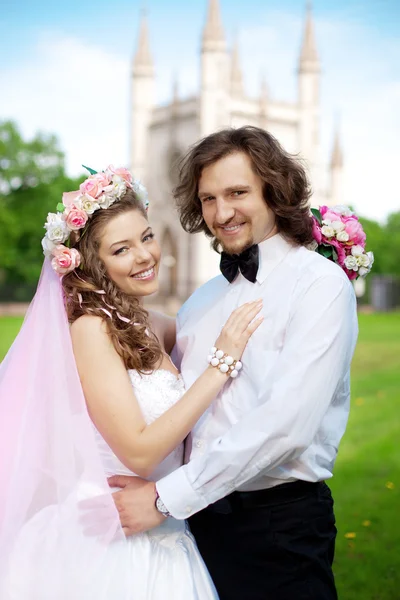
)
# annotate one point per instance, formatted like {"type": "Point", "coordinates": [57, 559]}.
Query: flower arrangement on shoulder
{"type": "Point", "coordinates": [339, 236]}
{"type": "Point", "coordinates": [99, 191]}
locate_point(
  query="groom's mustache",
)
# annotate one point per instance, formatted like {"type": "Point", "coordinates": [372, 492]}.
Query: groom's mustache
{"type": "Point", "coordinates": [230, 223]}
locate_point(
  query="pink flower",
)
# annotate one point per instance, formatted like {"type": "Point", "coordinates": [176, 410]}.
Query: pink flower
{"type": "Point", "coordinates": [69, 198]}
{"type": "Point", "coordinates": [355, 231]}
{"type": "Point", "coordinates": [339, 249]}
{"type": "Point", "coordinates": [76, 218]}
{"type": "Point", "coordinates": [122, 172]}
{"type": "Point", "coordinates": [351, 274]}
{"type": "Point", "coordinates": [103, 179]}
{"type": "Point", "coordinates": [65, 259]}
{"type": "Point", "coordinates": [323, 210]}
{"type": "Point", "coordinates": [331, 216]}
{"type": "Point", "coordinates": [92, 187]}
{"type": "Point", "coordinates": [316, 231]}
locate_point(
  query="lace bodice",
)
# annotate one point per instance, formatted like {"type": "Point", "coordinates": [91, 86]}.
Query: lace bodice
{"type": "Point", "coordinates": [155, 392]}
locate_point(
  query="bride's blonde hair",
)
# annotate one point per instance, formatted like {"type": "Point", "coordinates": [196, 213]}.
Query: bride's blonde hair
{"type": "Point", "coordinates": [90, 291]}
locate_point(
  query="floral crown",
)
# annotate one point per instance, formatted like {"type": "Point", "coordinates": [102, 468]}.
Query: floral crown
{"type": "Point", "coordinates": [99, 190]}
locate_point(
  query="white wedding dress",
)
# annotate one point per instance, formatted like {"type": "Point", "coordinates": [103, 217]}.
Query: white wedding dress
{"type": "Point", "coordinates": [162, 564]}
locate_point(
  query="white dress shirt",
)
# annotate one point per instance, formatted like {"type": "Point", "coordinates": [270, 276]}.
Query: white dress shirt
{"type": "Point", "coordinates": [283, 417]}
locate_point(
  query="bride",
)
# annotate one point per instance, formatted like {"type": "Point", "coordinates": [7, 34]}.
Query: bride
{"type": "Point", "coordinates": [88, 390]}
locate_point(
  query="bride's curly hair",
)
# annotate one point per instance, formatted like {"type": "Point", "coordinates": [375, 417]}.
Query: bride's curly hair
{"type": "Point", "coordinates": [90, 291]}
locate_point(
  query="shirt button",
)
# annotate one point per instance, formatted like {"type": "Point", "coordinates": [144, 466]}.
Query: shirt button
{"type": "Point", "coordinates": [199, 444]}
{"type": "Point", "coordinates": [188, 509]}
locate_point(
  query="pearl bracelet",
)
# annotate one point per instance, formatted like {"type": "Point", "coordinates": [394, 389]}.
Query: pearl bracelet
{"type": "Point", "coordinates": [224, 362]}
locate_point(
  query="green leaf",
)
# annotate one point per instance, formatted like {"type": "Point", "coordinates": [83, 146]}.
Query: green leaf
{"type": "Point", "coordinates": [60, 207]}
{"type": "Point", "coordinates": [325, 250]}
{"type": "Point", "coordinates": [317, 215]}
{"type": "Point", "coordinates": [91, 171]}
{"type": "Point", "coordinates": [334, 254]}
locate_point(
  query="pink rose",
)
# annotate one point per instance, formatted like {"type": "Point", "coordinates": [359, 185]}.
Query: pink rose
{"type": "Point", "coordinates": [332, 216]}
{"type": "Point", "coordinates": [351, 274]}
{"type": "Point", "coordinates": [76, 218]}
{"type": "Point", "coordinates": [92, 187]}
{"type": "Point", "coordinates": [102, 179]}
{"type": "Point", "coordinates": [65, 259]}
{"type": "Point", "coordinates": [339, 249]}
{"type": "Point", "coordinates": [323, 210]}
{"type": "Point", "coordinates": [316, 231]}
{"type": "Point", "coordinates": [355, 231]}
{"type": "Point", "coordinates": [122, 172]}
{"type": "Point", "coordinates": [69, 198]}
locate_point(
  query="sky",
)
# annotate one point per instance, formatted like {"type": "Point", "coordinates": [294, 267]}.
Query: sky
{"type": "Point", "coordinates": [65, 69]}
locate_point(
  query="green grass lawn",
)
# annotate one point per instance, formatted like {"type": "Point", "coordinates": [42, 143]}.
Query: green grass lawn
{"type": "Point", "coordinates": [9, 327]}
{"type": "Point", "coordinates": [366, 484]}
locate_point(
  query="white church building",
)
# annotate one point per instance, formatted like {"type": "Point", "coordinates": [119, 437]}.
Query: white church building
{"type": "Point", "coordinates": [160, 135]}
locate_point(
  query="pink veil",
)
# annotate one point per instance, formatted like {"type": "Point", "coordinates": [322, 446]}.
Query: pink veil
{"type": "Point", "coordinates": [50, 546]}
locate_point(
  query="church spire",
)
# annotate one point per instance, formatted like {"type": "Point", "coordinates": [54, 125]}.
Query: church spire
{"type": "Point", "coordinates": [236, 71]}
{"type": "Point", "coordinates": [213, 33]}
{"type": "Point", "coordinates": [264, 92]}
{"type": "Point", "coordinates": [337, 154]}
{"type": "Point", "coordinates": [309, 54]}
{"type": "Point", "coordinates": [143, 58]}
{"type": "Point", "coordinates": [175, 89]}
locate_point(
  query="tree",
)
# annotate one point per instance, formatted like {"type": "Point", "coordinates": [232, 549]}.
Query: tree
{"type": "Point", "coordinates": [391, 245]}
{"type": "Point", "coordinates": [375, 242]}
{"type": "Point", "coordinates": [24, 164]}
{"type": "Point", "coordinates": [32, 180]}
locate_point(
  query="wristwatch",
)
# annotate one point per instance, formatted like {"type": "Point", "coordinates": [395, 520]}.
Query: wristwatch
{"type": "Point", "coordinates": [160, 506]}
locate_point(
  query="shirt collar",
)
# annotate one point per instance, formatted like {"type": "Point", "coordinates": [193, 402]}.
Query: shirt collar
{"type": "Point", "coordinates": [272, 252]}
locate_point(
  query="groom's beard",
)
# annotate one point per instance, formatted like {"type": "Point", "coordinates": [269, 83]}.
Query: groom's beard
{"type": "Point", "coordinates": [245, 241]}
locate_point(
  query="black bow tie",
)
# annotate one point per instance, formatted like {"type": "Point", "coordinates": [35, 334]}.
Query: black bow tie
{"type": "Point", "coordinates": [246, 262]}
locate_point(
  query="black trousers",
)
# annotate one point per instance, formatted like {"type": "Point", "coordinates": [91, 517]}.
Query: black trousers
{"type": "Point", "coordinates": [275, 544]}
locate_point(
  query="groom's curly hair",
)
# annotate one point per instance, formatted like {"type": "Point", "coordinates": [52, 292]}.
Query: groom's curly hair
{"type": "Point", "coordinates": [286, 188]}
{"type": "Point", "coordinates": [90, 291]}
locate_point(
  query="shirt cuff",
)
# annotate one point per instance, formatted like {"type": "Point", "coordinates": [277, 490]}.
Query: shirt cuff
{"type": "Point", "coordinates": [178, 495]}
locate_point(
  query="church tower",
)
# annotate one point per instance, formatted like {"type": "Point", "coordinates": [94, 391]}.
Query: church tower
{"type": "Point", "coordinates": [214, 92]}
{"type": "Point", "coordinates": [336, 167]}
{"type": "Point", "coordinates": [161, 133]}
{"type": "Point", "coordinates": [142, 101]}
{"type": "Point", "coordinates": [308, 95]}
{"type": "Point", "coordinates": [236, 84]}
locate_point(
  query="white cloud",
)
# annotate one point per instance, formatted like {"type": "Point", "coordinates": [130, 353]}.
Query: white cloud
{"type": "Point", "coordinates": [77, 91]}
{"type": "Point", "coordinates": [80, 92]}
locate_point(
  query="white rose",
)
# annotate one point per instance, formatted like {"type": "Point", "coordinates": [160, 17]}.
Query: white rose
{"type": "Point", "coordinates": [343, 210]}
{"type": "Point", "coordinates": [362, 271]}
{"type": "Point", "coordinates": [371, 259]}
{"type": "Point", "coordinates": [327, 231]}
{"type": "Point", "coordinates": [89, 204]}
{"type": "Point", "coordinates": [350, 263]}
{"type": "Point", "coordinates": [338, 226]}
{"type": "Point", "coordinates": [342, 236]}
{"type": "Point", "coordinates": [48, 246]}
{"type": "Point", "coordinates": [326, 222]}
{"type": "Point", "coordinates": [357, 250]}
{"type": "Point", "coordinates": [363, 260]}
{"type": "Point", "coordinates": [118, 186]}
{"type": "Point", "coordinates": [57, 230]}
{"type": "Point", "coordinates": [105, 200]}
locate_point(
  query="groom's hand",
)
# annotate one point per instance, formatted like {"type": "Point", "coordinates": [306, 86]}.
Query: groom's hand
{"type": "Point", "coordinates": [135, 503]}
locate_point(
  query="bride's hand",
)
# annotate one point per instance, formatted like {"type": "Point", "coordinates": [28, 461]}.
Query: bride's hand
{"type": "Point", "coordinates": [239, 328]}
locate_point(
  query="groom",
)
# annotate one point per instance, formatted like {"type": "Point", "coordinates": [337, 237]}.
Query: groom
{"type": "Point", "coordinates": [254, 486]}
